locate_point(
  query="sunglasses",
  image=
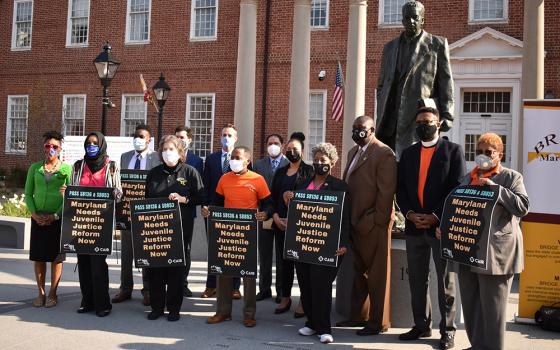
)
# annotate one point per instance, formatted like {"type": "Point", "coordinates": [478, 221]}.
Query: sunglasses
{"type": "Point", "coordinates": [488, 152]}
{"type": "Point", "coordinates": [48, 146]}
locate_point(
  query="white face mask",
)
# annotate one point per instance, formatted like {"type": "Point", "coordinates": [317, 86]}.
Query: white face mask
{"type": "Point", "coordinates": [139, 144]}
{"type": "Point", "coordinates": [484, 162]}
{"type": "Point", "coordinates": [170, 157]}
{"type": "Point", "coordinates": [274, 151]}
{"type": "Point", "coordinates": [236, 165]}
{"type": "Point", "coordinates": [228, 142]}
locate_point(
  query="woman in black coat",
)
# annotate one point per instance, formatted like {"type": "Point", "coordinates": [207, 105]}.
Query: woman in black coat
{"type": "Point", "coordinates": [315, 281]}
{"type": "Point", "coordinates": [176, 180]}
{"type": "Point", "coordinates": [286, 179]}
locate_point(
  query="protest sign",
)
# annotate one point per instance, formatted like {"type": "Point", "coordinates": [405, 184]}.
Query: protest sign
{"type": "Point", "coordinates": [232, 242]}
{"type": "Point", "coordinates": [313, 228]}
{"type": "Point", "coordinates": [88, 220]}
{"type": "Point", "coordinates": [133, 184]}
{"type": "Point", "coordinates": [157, 234]}
{"type": "Point", "coordinates": [465, 224]}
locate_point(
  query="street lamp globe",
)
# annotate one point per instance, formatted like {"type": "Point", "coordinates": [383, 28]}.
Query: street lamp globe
{"type": "Point", "coordinates": [161, 90]}
{"type": "Point", "coordinates": [106, 65]}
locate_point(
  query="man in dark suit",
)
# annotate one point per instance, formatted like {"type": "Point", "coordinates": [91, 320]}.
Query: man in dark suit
{"type": "Point", "coordinates": [428, 171]}
{"type": "Point", "coordinates": [140, 158]}
{"type": "Point", "coordinates": [414, 65]}
{"type": "Point", "coordinates": [267, 167]}
{"type": "Point", "coordinates": [215, 166]}
{"type": "Point", "coordinates": [186, 136]}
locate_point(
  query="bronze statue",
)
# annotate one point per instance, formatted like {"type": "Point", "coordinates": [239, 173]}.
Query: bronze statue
{"type": "Point", "coordinates": [414, 66]}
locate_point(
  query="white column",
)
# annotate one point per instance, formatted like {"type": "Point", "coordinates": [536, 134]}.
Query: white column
{"type": "Point", "coordinates": [244, 114]}
{"type": "Point", "coordinates": [354, 106]}
{"type": "Point", "coordinates": [298, 110]}
{"type": "Point", "coordinates": [355, 79]}
{"type": "Point", "coordinates": [533, 60]}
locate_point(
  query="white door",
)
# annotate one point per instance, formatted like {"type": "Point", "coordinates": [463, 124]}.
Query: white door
{"type": "Point", "coordinates": [482, 111]}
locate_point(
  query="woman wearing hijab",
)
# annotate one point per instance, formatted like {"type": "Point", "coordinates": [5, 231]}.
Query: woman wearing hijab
{"type": "Point", "coordinates": [95, 170]}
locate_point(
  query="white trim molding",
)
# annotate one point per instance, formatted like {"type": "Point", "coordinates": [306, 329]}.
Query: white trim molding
{"type": "Point", "coordinates": [212, 122]}
{"type": "Point", "coordinates": [123, 111]}
{"type": "Point", "coordinates": [127, 39]}
{"type": "Point", "coordinates": [14, 46]}
{"type": "Point", "coordinates": [192, 36]}
{"type": "Point", "coordinates": [502, 20]}
{"type": "Point", "coordinates": [8, 149]}
{"type": "Point", "coordinates": [69, 43]}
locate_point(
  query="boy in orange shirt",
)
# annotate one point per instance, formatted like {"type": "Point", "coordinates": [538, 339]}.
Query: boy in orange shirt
{"type": "Point", "coordinates": [244, 189]}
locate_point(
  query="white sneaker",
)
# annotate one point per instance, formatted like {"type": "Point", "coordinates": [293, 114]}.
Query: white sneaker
{"type": "Point", "coordinates": [326, 338]}
{"type": "Point", "coordinates": [306, 331]}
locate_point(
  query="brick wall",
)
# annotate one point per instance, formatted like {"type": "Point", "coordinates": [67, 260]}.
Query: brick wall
{"type": "Point", "coordinates": [50, 69]}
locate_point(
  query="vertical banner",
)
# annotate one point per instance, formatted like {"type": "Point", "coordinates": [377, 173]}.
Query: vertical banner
{"type": "Point", "coordinates": [157, 234]}
{"type": "Point", "coordinates": [465, 224]}
{"type": "Point", "coordinates": [313, 229]}
{"type": "Point", "coordinates": [88, 220]}
{"type": "Point", "coordinates": [133, 183]}
{"type": "Point", "coordinates": [232, 242]}
{"type": "Point", "coordinates": [540, 280]}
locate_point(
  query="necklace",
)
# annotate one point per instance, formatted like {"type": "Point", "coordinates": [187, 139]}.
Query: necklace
{"type": "Point", "coordinates": [52, 168]}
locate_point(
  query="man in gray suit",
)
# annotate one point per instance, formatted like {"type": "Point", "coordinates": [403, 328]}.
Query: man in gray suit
{"type": "Point", "coordinates": [414, 66]}
{"type": "Point", "coordinates": [267, 167]}
{"type": "Point", "coordinates": [141, 158]}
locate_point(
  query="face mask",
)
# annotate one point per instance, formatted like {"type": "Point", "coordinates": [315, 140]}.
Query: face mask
{"type": "Point", "coordinates": [139, 144]}
{"type": "Point", "coordinates": [52, 154]}
{"type": "Point", "coordinates": [359, 135]}
{"type": "Point", "coordinates": [426, 132]}
{"type": "Point", "coordinates": [293, 155]}
{"type": "Point", "coordinates": [228, 142]}
{"type": "Point", "coordinates": [92, 150]}
{"type": "Point", "coordinates": [170, 157]}
{"type": "Point", "coordinates": [484, 162]}
{"type": "Point", "coordinates": [321, 169]}
{"type": "Point", "coordinates": [273, 151]}
{"type": "Point", "coordinates": [236, 165]}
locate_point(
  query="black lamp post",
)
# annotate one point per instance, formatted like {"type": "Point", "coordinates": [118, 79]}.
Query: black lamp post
{"type": "Point", "coordinates": [161, 92]}
{"type": "Point", "coordinates": [106, 65]}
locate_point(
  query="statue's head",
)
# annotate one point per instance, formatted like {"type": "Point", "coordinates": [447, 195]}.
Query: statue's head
{"type": "Point", "coordinates": [413, 17]}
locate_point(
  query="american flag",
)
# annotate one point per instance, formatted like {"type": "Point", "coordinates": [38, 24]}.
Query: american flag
{"type": "Point", "coordinates": [338, 99]}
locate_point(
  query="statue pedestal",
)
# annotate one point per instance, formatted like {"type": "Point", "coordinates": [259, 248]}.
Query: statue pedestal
{"type": "Point", "coordinates": [401, 311]}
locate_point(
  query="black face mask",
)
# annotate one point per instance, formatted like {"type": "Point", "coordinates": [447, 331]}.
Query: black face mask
{"type": "Point", "coordinates": [359, 135]}
{"type": "Point", "coordinates": [321, 169]}
{"type": "Point", "coordinates": [426, 132]}
{"type": "Point", "coordinates": [293, 156]}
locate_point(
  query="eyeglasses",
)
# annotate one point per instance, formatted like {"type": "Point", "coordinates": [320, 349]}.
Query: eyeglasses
{"type": "Point", "coordinates": [487, 152]}
{"type": "Point", "coordinates": [48, 146]}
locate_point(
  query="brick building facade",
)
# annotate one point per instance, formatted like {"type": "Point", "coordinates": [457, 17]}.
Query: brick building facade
{"type": "Point", "coordinates": [47, 75]}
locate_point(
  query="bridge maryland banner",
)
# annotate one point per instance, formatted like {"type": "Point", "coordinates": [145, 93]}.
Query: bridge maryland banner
{"type": "Point", "coordinates": [540, 280]}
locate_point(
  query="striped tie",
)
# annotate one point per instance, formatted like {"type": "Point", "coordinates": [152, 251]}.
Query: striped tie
{"type": "Point", "coordinates": [225, 166]}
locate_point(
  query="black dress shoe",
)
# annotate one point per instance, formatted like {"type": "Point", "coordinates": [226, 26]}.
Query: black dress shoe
{"type": "Point", "coordinates": [415, 333]}
{"type": "Point", "coordinates": [447, 341]}
{"type": "Point", "coordinates": [262, 296]}
{"type": "Point", "coordinates": [173, 316]}
{"type": "Point", "coordinates": [187, 293]}
{"type": "Point", "coordinates": [283, 309]}
{"type": "Point", "coordinates": [350, 323]}
{"type": "Point", "coordinates": [103, 313]}
{"type": "Point", "coordinates": [84, 309]}
{"type": "Point", "coordinates": [278, 300]}
{"type": "Point", "coordinates": [368, 331]}
{"type": "Point", "coordinates": [154, 315]}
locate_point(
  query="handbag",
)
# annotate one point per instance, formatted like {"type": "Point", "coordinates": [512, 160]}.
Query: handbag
{"type": "Point", "coordinates": [548, 317]}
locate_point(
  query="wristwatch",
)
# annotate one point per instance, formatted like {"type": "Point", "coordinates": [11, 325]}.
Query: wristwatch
{"type": "Point", "coordinates": [56, 217]}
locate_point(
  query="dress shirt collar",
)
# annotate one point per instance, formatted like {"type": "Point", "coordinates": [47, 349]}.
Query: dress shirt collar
{"type": "Point", "coordinates": [430, 143]}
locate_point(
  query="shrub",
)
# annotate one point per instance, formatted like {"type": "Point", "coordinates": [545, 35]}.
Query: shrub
{"type": "Point", "coordinates": [14, 206]}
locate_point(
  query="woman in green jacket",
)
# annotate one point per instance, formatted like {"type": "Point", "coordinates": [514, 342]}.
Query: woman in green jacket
{"type": "Point", "coordinates": [44, 200]}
